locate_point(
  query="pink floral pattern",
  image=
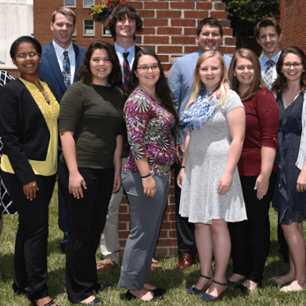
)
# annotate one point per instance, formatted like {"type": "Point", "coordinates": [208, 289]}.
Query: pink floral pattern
{"type": "Point", "coordinates": [149, 126]}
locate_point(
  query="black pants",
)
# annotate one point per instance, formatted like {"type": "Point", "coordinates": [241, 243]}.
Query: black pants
{"type": "Point", "coordinates": [30, 263]}
{"type": "Point", "coordinates": [86, 217]}
{"type": "Point", "coordinates": [251, 238]}
{"type": "Point", "coordinates": [185, 230]}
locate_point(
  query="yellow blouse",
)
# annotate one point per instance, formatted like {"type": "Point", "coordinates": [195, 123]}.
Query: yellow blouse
{"type": "Point", "coordinates": [50, 111]}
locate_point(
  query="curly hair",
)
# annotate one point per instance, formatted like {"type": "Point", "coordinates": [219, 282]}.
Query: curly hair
{"type": "Point", "coordinates": [25, 39]}
{"type": "Point", "coordinates": [281, 80]}
{"type": "Point", "coordinates": [256, 84]}
{"type": "Point", "coordinates": [119, 13]}
{"type": "Point", "coordinates": [162, 89]}
{"type": "Point", "coordinates": [84, 73]}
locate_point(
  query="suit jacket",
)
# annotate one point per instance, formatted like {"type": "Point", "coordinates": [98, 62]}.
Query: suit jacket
{"type": "Point", "coordinates": [24, 131]}
{"type": "Point", "coordinates": [49, 68]}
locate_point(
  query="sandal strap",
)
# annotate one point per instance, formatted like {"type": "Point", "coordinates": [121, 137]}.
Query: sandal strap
{"type": "Point", "coordinates": [50, 303]}
{"type": "Point", "coordinates": [205, 276]}
{"type": "Point", "coordinates": [221, 284]}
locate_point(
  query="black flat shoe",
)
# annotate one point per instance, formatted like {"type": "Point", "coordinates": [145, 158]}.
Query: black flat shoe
{"type": "Point", "coordinates": [96, 301]}
{"type": "Point", "coordinates": [158, 293]}
{"type": "Point", "coordinates": [210, 298]}
{"type": "Point", "coordinates": [131, 296]}
{"type": "Point", "coordinates": [104, 287]}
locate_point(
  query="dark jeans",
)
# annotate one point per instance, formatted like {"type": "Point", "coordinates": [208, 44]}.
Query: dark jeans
{"type": "Point", "coordinates": [30, 263]}
{"type": "Point", "coordinates": [86, 218]}
{"type": "Point", "coordinates": [251, 238]}
{"type": "Point", "coordinates": [185, 230]}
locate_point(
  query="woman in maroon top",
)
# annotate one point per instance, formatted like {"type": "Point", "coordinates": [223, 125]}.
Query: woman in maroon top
{"type": "Point", "coordinates": [251, 238]}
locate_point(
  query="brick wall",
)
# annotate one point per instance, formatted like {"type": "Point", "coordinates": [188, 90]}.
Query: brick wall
{"type": "Point", "coordinates": [293, 23]}
{"type": "Point", "coordinates": [169, 29]}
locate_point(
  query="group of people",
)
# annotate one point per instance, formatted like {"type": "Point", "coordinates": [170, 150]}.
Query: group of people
{"type": "Point", "coordinates": [234, 148]}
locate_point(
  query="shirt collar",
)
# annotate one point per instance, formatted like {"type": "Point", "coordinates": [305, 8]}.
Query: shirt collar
{"type": "Point", "coordinates": [59, 50]}
{"type": "Point", "coordinates": [121, 50]}
{"type": "Point", "coordinates": [274, 58]}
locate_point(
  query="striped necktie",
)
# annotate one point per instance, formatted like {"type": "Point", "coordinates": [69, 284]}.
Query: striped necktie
{"type": "Point", "coordinates": [126, 70]}
{"type": "Point", "coordinates": [66, 70]}
{"type": "Point", "coordinates": [267, 77]}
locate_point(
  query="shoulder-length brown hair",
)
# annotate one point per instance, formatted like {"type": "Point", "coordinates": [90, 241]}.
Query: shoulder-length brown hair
{"type": "Point", "coordinates": [281, 80]}
{"type": "Point", "coordinates": [84, 73]}
{"type": "Point", "coordinates": [256, 84]}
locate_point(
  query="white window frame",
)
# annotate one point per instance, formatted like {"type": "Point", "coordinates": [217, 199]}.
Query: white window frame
{"type": "Point", "coordinates": [74, 5]}
{"type": "Point", "coordinates": [86, 6]}
{"type": "Point", "coordinates": [94, 29]}
{"type": "Point", "coordinates": [104, 32]}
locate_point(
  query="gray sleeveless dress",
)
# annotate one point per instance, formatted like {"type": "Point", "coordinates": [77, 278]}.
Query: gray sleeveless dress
{"type": "Point", "coordinates": [208, 150]}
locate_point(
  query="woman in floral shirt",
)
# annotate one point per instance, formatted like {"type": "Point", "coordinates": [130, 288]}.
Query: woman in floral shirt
{"type": "Point", "coordinates": [150, 119]}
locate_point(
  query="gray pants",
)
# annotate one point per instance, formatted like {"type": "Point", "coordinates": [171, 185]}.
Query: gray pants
{"type": "Point", "coordinates": [146, 216]}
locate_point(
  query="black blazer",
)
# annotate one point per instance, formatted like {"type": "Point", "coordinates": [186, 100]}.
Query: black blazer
{"type": "Point", "coordinates": [24, 131]}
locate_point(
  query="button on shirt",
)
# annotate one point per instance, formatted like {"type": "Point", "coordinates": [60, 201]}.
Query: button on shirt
{"type": "Point", "coordinates": [263, 64]}
{"type": "Point", "coordinates": [131, 56]}
{"type": "Point", "coordinates": [60, 58]}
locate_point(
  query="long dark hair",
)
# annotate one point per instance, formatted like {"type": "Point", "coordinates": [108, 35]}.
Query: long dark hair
{"type": "Point", "coordinates": [162, 89]}
{"type": "Point", "coordinates": [84, 73]}
{"type": "Point", "coordinates": [256, 84]}
{"type": "Point", "coordinates": [281, 80]}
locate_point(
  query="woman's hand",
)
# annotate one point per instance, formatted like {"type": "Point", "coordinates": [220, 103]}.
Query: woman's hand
{"type": "Point", "coordinates": [261, 185]}
{"type": "Point", "coordinates": [225, 183]}
{"type": "Point", "coordinates": [76, 181]}
{"type": "Point", "coordinates": [301, 182]}
{"type": "Point", "coordinates": [178, 148]}
{"type": "Point", "coordinates": [149, 187]}
{"type": "Point", "coordinates": [117, 183]}
{"type": "Point", "coordinates": [30, 190]}
{"type": "Point", "coordinates": [180, 176]}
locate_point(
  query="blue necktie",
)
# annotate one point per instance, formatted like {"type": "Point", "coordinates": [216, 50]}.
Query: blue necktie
{"type": "Point", "coordinates": [126, 70]}
{"type": "Point", "coordinates": [267, 77]}
{"type": "Point", "coordinates": [66, 70]}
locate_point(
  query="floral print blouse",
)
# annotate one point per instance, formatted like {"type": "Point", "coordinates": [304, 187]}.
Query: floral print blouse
{"type": "Point", "coordinates": [149, 126]}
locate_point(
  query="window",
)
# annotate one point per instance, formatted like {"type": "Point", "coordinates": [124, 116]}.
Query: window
{"type": "Point", "coordinates": [70, 3]}
{"type": "Point", "coordinates": [88, 3]}
{"type": "Point", "coordinates": [105, 32]}
{"type": "Point", "coordinates": [89, 27]}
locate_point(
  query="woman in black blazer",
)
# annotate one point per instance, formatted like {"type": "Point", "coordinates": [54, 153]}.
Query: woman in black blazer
{"type": "Point", "coordinates": [28, 121]}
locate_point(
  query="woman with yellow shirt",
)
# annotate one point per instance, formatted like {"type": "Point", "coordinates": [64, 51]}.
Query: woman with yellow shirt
{"type": "Point", "coordinates": [28, 121]}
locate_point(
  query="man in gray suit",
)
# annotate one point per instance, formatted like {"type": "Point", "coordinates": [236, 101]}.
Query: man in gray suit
{"type": "Point", "coordinates": [54, 68]}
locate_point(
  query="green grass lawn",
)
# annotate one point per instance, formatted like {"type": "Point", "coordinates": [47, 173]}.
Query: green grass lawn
{"type": "Point", "coordinates": [175, 281]}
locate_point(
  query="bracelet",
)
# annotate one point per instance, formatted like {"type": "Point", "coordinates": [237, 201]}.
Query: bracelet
{"type": "Point", "coordinates": [183, 167]}
{"type": "Point", "coordinates": [146, 176]}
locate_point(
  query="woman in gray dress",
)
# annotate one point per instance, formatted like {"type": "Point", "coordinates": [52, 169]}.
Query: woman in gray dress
{"type": "Point", "coordinates": [211, 190]}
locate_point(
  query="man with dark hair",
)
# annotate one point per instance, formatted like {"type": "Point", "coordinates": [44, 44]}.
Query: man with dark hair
{"type": "Point", "coordinates": [122, 23]}
{"type": "Point", "coordinates": [209, 36]}
{"type": "Point", "coordinates": [268, 34]}
{"type": "Point", "coordinates": [60, 61]}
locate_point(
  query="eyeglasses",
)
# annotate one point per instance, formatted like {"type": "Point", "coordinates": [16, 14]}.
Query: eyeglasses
{"type": "Point", "coordinates": [295, 65]}
{"type": "Point", "coordinates": [146, 68]}
{"type": "Point", "coordinates": [30, 55]}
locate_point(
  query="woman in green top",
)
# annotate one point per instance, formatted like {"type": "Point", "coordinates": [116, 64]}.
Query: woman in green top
{"type": "Point", "coordinates": [90, 126]}
{"type": "Point", "coordinates": [28, 121]}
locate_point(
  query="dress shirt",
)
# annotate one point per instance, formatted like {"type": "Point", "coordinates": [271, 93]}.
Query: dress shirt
{"type": "Point", "coordinates": [60, 58]}
{"type": "Point", "coordinates": [131, 56]}
{"type": "Point", "coordinates": [263, 64]}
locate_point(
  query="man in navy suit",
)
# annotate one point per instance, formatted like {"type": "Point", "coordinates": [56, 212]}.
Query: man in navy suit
{"type": "Point", "coordinates": [53, 63]}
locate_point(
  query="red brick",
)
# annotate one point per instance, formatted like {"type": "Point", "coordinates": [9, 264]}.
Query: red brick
{"type": "Point", "coordinates": [193, 14]}
{"type": "Point", "coordinates": [147, 31]}
{"type": "Point", "coordinates": [225, 23]}
{"type": "Point", "coordinates": [159, 251]}
{"type": "Point", "coordinates": [204, 6]}
{"type": "Point", "coordinates": [219, 15]}
{"type": "Point", "coordinates": [169, 14]}
{"type": "Point", "coordinates": [163, 58]}
{"type": "Point", "coordinates": [219, 6]}
{"type": "Point", "coordinates": [230, 41]}
{"type": "Point", "coordinates": [189, 49]}
{"type": "Point", "coordinates": [172, 251]}
{"type": "Point", "coordinates": [163, 234]}
{"type": "Point", "coordinates": [166, 67]}
{"type": "Point", "coordinates": [168, 225]}
{"type": "Point", "coordinates": [155, 22]}
{"type": "Point", "coordinates": [182, 23]}
{"type": "Point", "coordinates": [136, 4]}
{"type": "Point", "coordinates": [146, 13]}
{"type": "Point", "coordinates": [190, 31]}
{"type": "Point", "coordinates": [170, 31]}
{"type": "Point", "coordinates": [156, 4]}
{"type": "Point", "coordinates": [173, 234]}
{"type": "Point", "coordinates": [227, 50]}
{"type": "Point", "coordinates": [156, 40]}
{"type": "Point", "coordinates": [123, 234]}
{"type": "Point", "coordinates": [171, 217]}
{"type": "Point", "coordinates": [124, 217]}
{"type": "Point", "coordinates": [166, 242]}
{"type": "Point", "coordinates": [125, 200]}
{"type": "Point", "coordinates": [183, 40]}
{"type": "Point", "coordinates": [170, 208]}
{"type": "Point", "coordinates": [169, 49]}
{"type": "Point", "coordinates": [123, 208]}
{"type": "Point", "coordinates": [182, 5]}
{"type": "Point", "coordinates": [228, 32]}
{"type": "Point", "coordinates": [122, 226]}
